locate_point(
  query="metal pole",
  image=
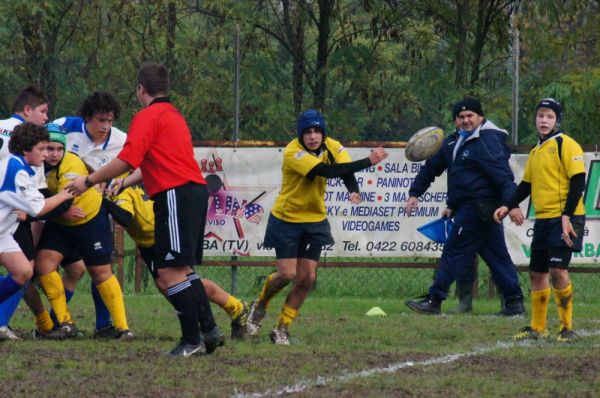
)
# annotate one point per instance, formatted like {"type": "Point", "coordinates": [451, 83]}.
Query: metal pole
{"type": "Point", "coordinates": [514, 23]}
{"type": "Point", "coordinates": [236, 85]}
{"type": "Point", "coordinates": [236, 135]}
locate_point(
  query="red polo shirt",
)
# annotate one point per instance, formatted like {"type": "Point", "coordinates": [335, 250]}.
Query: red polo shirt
{"type": "Point", "coordinates": [160, 144]}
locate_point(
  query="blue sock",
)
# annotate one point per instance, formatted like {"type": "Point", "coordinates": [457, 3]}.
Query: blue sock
{"type": "Point", "coordinates": [69, 294]}
{"type": "Point", "coordinates": [102, 314]}
{"type": "Point", "coordinates": [8, 308]}
{"type": "Point", "coordinates": [8, 287]}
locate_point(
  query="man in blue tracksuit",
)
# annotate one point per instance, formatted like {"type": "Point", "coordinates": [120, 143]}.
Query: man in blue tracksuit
{"type": "Point", "coordinates": [479, 178]}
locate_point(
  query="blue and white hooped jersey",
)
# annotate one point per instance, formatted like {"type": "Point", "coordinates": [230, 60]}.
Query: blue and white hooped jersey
{"type": "Point", "coordinates": [80, 143]}
{"type": "Point", "coordinates": [18, 190]}
{"type": "Point", "coordinates": [6, 128]}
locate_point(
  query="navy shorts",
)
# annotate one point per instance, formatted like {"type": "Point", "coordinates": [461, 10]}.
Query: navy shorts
{"type": "Point", "coordinates": [24, 238]}
{"type": "Point", "coordinates": [297, 240]}
{"type": "Point", "coordinates": [548, 249]}
{"type": "Point", "coordinates": [92, 241]}
{"type": "Point", "coordinates": [180, 215]}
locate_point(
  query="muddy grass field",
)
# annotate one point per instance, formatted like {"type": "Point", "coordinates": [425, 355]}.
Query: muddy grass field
{"type": "Point", "coordinates": [336, 351]}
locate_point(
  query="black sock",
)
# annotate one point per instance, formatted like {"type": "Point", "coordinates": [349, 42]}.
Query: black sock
{"type": "Point", "coordinates": [184, 298]}
{"type": "Point", "coordinates": [205, 315]}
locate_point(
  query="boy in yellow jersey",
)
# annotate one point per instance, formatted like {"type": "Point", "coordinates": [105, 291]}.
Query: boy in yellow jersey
{"type": "Point", "coordinates": [555, 178]}
{"type": "Point", "coordinates": [298, 226]}
{"type": "Point", "coordinates": [133, 209]}
{"type": "Point", "coordinates": [68, 240]}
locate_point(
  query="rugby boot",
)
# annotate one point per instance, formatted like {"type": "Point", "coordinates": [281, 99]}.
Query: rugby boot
{"type": "Point", "coordinates": [426, 304]}
{"type": "Point", "coordinates": [70, 329]}
{"type": "Point", "coordinates": [255, 318]}
{"type": "Point", "coordinates": [124, 335]}
{"type": "Point", "coordinates": [54, 334]}
{"type": "Point", "coordinates": [214, 339]}
{"type": "Point", "coordinates": [6, 333]}
{"type": "Point", "coordinates": [238, 324]}
{"type": "Point", "coordinates": [528, 333]}
{"type": "Point", "coordinates": [106, 333]}
{"type": "Point", "coordinates": [184, 349]}
{"type": "Point", "coordinates": [567, 336]}
{"type": "Point", "coordinates": [280, 335]}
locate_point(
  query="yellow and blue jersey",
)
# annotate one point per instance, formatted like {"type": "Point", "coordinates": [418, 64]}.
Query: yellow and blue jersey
{"type": "Point", "coordinates": [300, 198]}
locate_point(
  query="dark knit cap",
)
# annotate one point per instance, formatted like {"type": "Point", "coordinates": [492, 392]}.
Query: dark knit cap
{"type": "Point", "coordinates": [468, 104]}
{"type": "Point", "coordinates": [311, 118]}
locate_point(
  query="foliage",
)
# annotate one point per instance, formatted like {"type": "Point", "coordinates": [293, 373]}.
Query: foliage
{"type": "Point", "coordinates": [379, 70]}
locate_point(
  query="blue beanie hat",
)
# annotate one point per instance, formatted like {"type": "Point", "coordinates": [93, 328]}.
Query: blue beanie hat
{"type": "Point", "coordinates": [311, 118]}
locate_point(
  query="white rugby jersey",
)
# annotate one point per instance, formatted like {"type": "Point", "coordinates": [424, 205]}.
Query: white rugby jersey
{"type": "Point", "coordinates": [80, 143]}
{"type": "Point", "coordinates": [18, 190]}
{"type": "Point", "coordinates": [6, 128]}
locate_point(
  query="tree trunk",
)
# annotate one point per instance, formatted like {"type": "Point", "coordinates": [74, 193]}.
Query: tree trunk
{"type": "Point", "coordinates": [324, 27]}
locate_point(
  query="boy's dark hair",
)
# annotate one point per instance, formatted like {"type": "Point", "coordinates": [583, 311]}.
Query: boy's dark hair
{"type": "Point", "coordinates": [25, 136]}
{"type": "Point", "coordinates": [32, 96]}
{"type": "Point", "coordinates": [99, 102]}
{"type": "Point", "coordinates": [154, 78]}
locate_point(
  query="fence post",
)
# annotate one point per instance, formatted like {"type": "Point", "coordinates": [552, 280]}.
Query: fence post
{"type": "Point", "coordinates": [139, 269]}
{"type": "Point", "coordinates": [120, 252]}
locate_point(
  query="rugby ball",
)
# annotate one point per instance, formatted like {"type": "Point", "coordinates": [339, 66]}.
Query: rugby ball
{"type": "Point", "coordinates": [424, 144]}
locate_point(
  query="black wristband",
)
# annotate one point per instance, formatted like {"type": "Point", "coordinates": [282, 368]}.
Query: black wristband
{"type": "Point", "coordinates": [88, 183]}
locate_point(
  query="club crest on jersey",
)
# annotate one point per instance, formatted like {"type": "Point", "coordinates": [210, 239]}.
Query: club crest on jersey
{"type": "Point", "coordinates": [300, 155]}
{"type": "Point", "coordinates": [465, 154]}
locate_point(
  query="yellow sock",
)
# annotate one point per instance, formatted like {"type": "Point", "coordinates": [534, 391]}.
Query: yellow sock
{"type": "Point", "coordinates": [111, 294]}
{"type": "Point", "coordinates": [564, 302]}
{"type": "Point", "coordinates": [539, 309]}
{"type": "Point", "coordinates": [43, 322]}
{"type": "Point", "coordinates": [233, 307]}
{"type": "Point", "coordinates": [269, 291]}
{"type": "Point", "coordinates": [55, 291]}
{"type": "Point", "coordinates": [287, 316]}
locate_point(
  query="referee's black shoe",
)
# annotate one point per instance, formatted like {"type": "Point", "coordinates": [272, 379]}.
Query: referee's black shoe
{"type": "Point", "coordinates": [184, 349]}
{"type": "Point", "coordinates": [214, 339]}
{"type": "Point", "coordinates": [426, 304]}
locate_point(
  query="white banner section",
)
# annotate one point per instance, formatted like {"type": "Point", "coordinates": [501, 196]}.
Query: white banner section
{"type": "Point", "coordinates": [244, 182]}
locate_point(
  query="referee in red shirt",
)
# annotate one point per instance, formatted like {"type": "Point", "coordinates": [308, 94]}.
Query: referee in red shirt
{"type": "Point", "coordinates": [159, 146]}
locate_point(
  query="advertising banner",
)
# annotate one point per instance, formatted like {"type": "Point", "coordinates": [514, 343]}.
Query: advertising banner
{"type": "Point", "coordinates": [244, 182]}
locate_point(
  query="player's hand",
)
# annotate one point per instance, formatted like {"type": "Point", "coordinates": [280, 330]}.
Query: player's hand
{"type": "Point", "coordinates": [76, 186]}
{"type": "Point", "coordinates": [567, 230]}
{"type": "Point", "coordinates": [74, 213]}
{"type": "Point", "coordinates": [448, 213]}
{"type": "Point", "coordinates": [500, 213]}
{"type": "Point", "coordinates": [66, 194]}
{"type": "Point", "coordinates": [115, 187]}
{"type": "Point", "coordinates": [377, 155]}
{"type": "Point", "coordinates": [355, 198]}
{"type": "Point", "coordinates": [411, 206]}
{"type": "Point", "coordinates": [21, 215]}
{"type": "Point", "coordinates": [516, 216]}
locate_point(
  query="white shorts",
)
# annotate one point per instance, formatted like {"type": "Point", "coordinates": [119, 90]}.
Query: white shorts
{"type": "Point", "coordinates": [8, 244]}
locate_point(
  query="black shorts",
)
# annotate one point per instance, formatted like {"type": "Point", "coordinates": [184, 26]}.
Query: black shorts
{"type": "Point", "coordinates": [297, 240]}
{"type": "Point", "coordinates": [149, 256]}
{"type": "Point", "coordinates": [92, 241]}
{"type": "Point", "coordinates": [24, 239]}
{"type": "Point", "coordinates": [548, 249]}
{"type": "Point", "coordinates": [180, 218]}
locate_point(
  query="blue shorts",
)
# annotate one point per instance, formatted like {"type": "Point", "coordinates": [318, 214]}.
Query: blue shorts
{"type": "Point", "coordinates": [93, 241]}
{"type": "Point", "coordinates": [297, 240]}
